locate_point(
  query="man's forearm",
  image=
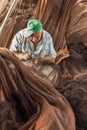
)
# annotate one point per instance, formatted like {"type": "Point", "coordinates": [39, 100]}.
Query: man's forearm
{"type": "Point", "coordinates": [44, 60]}
{"type": "Point", "coordinates": [49, 59]}
{"type": "Point", "coordinates": [23, 56]}
{"type": "Point", "coordinates": [19, 55]}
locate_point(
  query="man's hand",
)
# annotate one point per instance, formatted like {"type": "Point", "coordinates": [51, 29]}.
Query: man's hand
{"type": "Point", "coordinates": [23, 56]}
{"type": "Point", "coordinates": [37, 61]}
{"type": "Point", "coordinates": [26, 57]}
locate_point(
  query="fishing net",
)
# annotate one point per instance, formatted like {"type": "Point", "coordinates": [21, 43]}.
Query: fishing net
{"type": "Point", "coordinates": [66, 21]}
{"type": "Point", "coordinates": [28, 101]}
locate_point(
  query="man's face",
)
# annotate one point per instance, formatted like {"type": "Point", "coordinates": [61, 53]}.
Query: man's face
{"type": "Point", "coordinates": [36, 37]}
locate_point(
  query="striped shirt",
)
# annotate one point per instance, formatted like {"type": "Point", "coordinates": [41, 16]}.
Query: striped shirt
{"type": "Point", "coordinates": [44, 47]}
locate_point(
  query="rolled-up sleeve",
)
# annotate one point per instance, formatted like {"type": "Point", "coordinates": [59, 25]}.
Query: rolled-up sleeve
{"type": "Point", "coordinates": [52, 51]}
{"type": "Point", "coordinates": [48, 42]}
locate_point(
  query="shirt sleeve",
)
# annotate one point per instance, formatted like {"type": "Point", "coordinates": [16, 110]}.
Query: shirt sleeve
{"type": "Point", "coordinates": [16, 44]}
{"type": "Point", "coordinates": [52, 51]}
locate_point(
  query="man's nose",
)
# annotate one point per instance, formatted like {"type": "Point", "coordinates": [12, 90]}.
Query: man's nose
{"type": "Point", "coordinates": [34, 39]}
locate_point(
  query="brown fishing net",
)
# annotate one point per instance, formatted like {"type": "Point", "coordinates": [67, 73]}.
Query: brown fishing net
{"type": "Point", "coordinates": [66, 20]}
{"type": "Point", "coordinates": [76, 92]}
{"type": "Point", "coordinates": [29, 102]}
{"type": "Point", "coordinates": [75, 87]}
{"type": "Point", "coordinates": [15, 19]}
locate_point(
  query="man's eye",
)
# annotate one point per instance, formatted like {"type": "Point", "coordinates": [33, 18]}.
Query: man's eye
{"type": "Point", "coordinates": [37, 37]}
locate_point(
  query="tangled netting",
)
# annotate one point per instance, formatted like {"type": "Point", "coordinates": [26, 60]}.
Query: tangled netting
{"type": "Point", "coordinates": [66, 20]}
{"type": "Point", "coordinates": [28, 102]}
{"type": "Point", "coordinates": [76, 93]}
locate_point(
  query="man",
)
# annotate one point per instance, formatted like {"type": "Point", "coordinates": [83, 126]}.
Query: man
{"type": "Point", "coordinates": [33, 43]}
{"type": "Point", "coordinates": [34, 46]}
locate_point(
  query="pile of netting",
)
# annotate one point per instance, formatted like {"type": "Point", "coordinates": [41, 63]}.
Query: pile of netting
{"type": "Point", "coordinates": [76, 92]}
{"type": "Point", "coordinates": [66, 21]}
{"type": "Point", "coordinates": [29, 102]}
{"type": "Point", "coordinates": [74, 87]}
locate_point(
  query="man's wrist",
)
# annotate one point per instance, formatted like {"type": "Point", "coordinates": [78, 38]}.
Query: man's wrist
{"type": "Point", "coordinates": [41, 60]}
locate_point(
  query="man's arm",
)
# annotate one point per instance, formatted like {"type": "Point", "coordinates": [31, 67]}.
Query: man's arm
{"type": "Point", "coordinates": [49, 59]}
{"type": "Point", "coordinates": [19, 55]}
{"type": "Point", "coordinates": [44, 60]}
{"type": "Point", "coordinates": [16, 46]}
{"type": "Point", "coordinates": [23, 56]}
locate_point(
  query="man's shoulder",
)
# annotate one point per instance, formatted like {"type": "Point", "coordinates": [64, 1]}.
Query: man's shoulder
{"type": "Point", "coordinates": [46, 32]}
{"type": "Point", "coordinates": [46, 35]}
{"type": "Point", "coordinates": [21, 32]}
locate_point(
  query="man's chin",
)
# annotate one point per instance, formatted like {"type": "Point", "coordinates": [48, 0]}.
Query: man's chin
{"type": "Point", "coordinates": [35, 43]}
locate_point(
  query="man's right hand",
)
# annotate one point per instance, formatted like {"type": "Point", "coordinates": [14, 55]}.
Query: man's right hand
{"type": "Point", "coordinates": [26, 57]}
{"type": "Point", "coordinates": [23, 56]}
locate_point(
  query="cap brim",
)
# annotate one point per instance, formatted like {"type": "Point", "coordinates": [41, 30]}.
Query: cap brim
{"type": "Point", "coordinates": [27, 33]}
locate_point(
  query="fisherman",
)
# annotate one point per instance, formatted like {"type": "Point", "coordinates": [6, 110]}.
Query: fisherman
{"type": "Point", "coordinates": [34, 43]}
{"type": "Point", "coordinates": [34, 46]}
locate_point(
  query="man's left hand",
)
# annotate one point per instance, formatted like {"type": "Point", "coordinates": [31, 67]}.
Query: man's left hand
{"type": "Point", "coordinates": [37, 61]}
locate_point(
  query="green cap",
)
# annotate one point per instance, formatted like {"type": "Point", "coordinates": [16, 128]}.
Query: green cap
{"type": "Point", "coordinates": [33, 26]}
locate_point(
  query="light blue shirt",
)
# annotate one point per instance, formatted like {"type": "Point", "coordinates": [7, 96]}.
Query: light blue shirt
{"type": "Point", "coordinates": [44, 47]}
